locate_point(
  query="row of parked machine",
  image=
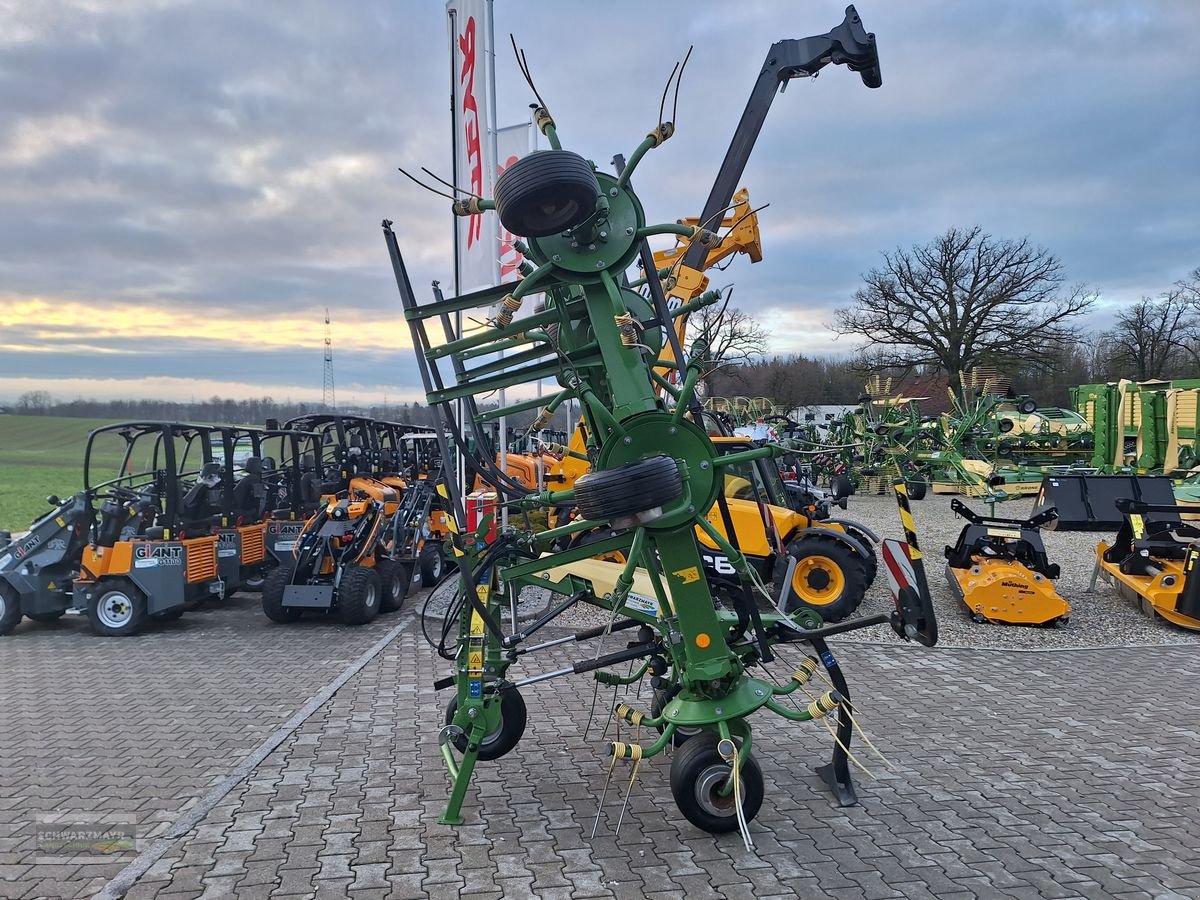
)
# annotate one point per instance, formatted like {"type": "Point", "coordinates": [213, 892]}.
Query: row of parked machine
{"type": "Point", "coordinates": [327, 513]}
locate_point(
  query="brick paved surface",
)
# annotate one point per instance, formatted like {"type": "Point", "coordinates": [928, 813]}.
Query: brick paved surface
{"type": "Point", "coordinates": [1024, 775]}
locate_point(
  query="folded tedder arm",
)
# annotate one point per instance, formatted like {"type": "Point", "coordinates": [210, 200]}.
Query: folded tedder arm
{"type": "Point", "coordinates": [654, 476]}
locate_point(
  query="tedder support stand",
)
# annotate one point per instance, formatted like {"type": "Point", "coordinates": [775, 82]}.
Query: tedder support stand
{"type": "Point", "coordinates": [836, 773]}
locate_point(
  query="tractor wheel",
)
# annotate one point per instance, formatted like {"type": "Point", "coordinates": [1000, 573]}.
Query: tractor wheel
{"type": "Point", "coordinates": [871, 560]}
{"type": "Point", "coordinates": [917, 488]}
{"type": "Point", "coordinates": [546, 192]}
{"type": "Point", "coordinates": [657, 705]}
{"type": "Point", "coordinates": [841, 486]}
{"type": "Point", "coordinates": [632, 488]}
{"type": "Point", "coordinates": [117, 608]}
{"type": "Point", "coordinates": [10, 609]}
{"type": "Point", "coordinates": [394, 579]}
{"type": "Point", "coordinates": [698, 774]}
{"type": "Point", "coordinates": [46, 617]}
{"type": "Point", "coordinates": [359, 595]}
{"type": "Point", "coordinates": [829, 577]}
{"type": "Point", "coordinates": [272, 595]}
{"type": "Point", "coordinates": [507, 734]}
{"type": "Point", "coordinates": [432, 562]}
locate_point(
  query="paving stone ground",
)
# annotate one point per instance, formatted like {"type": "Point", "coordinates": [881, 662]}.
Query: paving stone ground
{"type": "Point", "coordinates": [1064, 774]}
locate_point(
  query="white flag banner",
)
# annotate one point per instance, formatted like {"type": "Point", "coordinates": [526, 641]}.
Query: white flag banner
{"type": "Point", "coordinates": [512, 143]}
{"type": "Point", "coordinates": [474, 168]}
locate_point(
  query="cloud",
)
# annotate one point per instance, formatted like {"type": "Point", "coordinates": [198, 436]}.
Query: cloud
{"type": "Point", "coordinates": [194, 181]}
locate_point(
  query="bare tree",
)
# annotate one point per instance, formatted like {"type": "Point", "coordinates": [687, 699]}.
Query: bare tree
{"type": "Point", "coordinates": [1153, 337]}
{"type": "Point", "coordinates": [962, 300]}
{"type": "Point", "coordinates": [34, 402]}
{"type": "Point", "coordinates": [734, 338]}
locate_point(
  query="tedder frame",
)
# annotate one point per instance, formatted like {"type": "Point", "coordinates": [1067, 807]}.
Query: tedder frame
{"type": "Point", "coordinates": [654, 475]}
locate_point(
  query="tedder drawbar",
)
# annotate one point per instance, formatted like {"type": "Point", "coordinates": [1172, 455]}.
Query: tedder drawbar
{"type": "Point", "coordinates": [654, 474]}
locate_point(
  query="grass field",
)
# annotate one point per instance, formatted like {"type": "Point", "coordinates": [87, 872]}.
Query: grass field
{"type": "Point", "coordinates": [40, 455]}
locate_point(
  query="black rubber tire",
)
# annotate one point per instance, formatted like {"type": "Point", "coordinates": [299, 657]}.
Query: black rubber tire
{"type": "Point", "coordinates": [394, 579]}
{"type": "Point", "coordinates": [632, 488]}
{"type": "Point", "coordinates": [10, 609]}
{"type": "Point", "coordinates": [1028, 405]}
{"type": "Point", "coordinates": [917, 488]}
{"type": "Point", "coordinates": [432, 563]}
{"type": "Point", "coordinates": [106, 589]}
{"type": "Point", "coordinates": [545, 193]}
{"type": "Point", "coordinates": [252, 581]}
{"type": "Point", "coordinates": [826, 553]}
{"type": "Point", "coordinates": [1006, 425]}
{"type": "Point", "coordinates": [46, 617]}
{"type": "Point", "coordinates": [513, 717]}
{"type": "Point", "coordinates": [841, 486]}
{"type": "Point", "coordinates": [358, 595]}
{"type": "Point", "coordinates": [272, 595]}
{"type": "Point", "coordinates": [695, 777]}
{"type": "Point", "coordinates": [681, 735]}
{"type": "Point", "coordinates": [871, 560]}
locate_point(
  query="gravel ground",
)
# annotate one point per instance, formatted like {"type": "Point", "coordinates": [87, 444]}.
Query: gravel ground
{"type": "Point", "coordinates": [1099, 619]}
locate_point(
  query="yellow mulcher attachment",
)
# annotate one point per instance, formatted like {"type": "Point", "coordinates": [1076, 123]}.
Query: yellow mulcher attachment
{"type": "Point", "coordinates": [1153, 561]}
{"type": "Point", "coordinates": [999, 570]}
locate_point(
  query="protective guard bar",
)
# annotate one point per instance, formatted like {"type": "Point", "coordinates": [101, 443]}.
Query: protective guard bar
{"type": "Point", "coordinates": [848, 44]}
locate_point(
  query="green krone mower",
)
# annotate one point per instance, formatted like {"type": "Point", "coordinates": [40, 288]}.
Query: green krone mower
{"type": "Point", "coordinates": [655, 474]}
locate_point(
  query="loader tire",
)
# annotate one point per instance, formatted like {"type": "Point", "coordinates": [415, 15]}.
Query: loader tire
{"type": "Point", "coordinates": [358, 595]}
{"type": "Point", "coordinates": [117, 608]}
{"type": "Point", "coordinates": [546, 192]}
{"type": "Point", "coordinates": [829, 578]}
{"type": "Point", "coordinates": [871, 559]}
{"type": "Point", "coordinates": [432, 561]}
{"type": "Point", "coordinates": [632, 488]}
{"type": "Point", "coordinates": [10, 609]}
{"type": "Point", "coordinates": [272, 595]}
{"type": "Point", "coordinates": [394, 580]}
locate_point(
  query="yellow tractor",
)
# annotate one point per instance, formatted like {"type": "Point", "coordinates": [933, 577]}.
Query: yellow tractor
{"type": "Point", "coordinates": [999, 569]}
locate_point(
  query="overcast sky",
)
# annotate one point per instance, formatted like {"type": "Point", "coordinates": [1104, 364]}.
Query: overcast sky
{"type": "Point", "coordinates": [185, 186]}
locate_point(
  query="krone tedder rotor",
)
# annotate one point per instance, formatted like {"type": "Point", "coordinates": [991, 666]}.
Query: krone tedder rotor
{"type": "Point", "coordinates": [654, 475]}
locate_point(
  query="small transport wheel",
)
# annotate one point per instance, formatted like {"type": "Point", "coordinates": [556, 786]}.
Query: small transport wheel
{"type": "Point", "coordinates": [45, 617]}
{"type": "Point", "coordinates": [358, 595]}
{"type": "Point", "coordinates": [657, 705]}
{"type": "Point", "coordinates": [546, 192]}
{"type": "Point", "coordinates": [626, 490]}
{"type": "Point", "coordinates": [10, 609]}
{"type": "Point", "coordinates": [917, 488]}
{"type": "Point", "coordinates": [507, 733]}
{"type": "Point", "coordinates": [1006, 425]}
{"type": "Point", "coordinates": [829, 577]}
{"type": "Point", "coordinates": [698, 775]}
{"type": "Point", "coordinates": [432, 562]}
{"type": "Point", "coordinates": [272, 595]}
{"type": "Point", "coordinates": [117, 608]}
{"type": "Point", "coordinates": [394, 579]}
{"type": "Point", "coordinates": [1028, 405]}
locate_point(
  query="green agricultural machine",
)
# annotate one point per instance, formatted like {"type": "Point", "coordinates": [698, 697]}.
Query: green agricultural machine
{"type": "Point", "coordinates": [654, 474]}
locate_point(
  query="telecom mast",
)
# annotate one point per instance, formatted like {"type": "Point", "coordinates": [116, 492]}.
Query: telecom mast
{"type": "Point", "coordinates": [327, 398]}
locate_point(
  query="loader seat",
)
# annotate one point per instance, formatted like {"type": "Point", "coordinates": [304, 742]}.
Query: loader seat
{"type": "Point", "coordinates": [249, 493]}
{"type": "Point", "coordinates": [310, 482]}
{"type": "Point", "coordinates": [196, 510]}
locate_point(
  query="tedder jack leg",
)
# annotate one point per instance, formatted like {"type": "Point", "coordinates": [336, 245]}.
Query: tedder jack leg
{"type": "Point", "coordinates": [459, 772]}
{"type": "Point", "coordinates": [836, 773]}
